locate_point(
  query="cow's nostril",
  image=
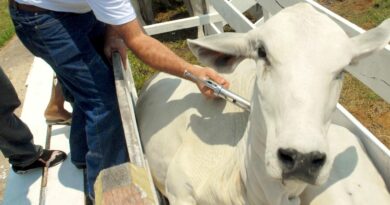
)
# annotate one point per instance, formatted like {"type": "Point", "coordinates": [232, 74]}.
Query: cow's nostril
{"type": "Point", "coordinates": [318, 159]}
{"type": "Point", "coordinates": [287, 157]}
{"type": "Point", "coordinates": [301, 166]}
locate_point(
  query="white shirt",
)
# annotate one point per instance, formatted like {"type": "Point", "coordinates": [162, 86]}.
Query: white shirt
{"type": "Point", "coordinates": [114, 12]}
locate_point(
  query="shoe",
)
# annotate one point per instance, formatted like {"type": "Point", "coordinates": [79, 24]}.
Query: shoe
{"type": "Point", "coordinates": [48, 158]}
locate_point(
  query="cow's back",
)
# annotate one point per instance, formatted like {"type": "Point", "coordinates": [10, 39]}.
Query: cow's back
{"type": "Point", "coordinates": [185, 135]}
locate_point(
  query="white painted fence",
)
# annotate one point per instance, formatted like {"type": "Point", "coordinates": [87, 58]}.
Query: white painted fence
{"type": "Point", "coordinates": [374, 71]}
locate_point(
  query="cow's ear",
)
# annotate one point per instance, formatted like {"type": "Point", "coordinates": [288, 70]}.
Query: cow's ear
{"type": "Point", "coordinates": [371, 41]}
{"type": "Point", "coordinates": [221, 51]}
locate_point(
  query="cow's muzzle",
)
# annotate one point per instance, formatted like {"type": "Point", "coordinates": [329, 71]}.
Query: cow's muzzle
{"type": "Point", "coordinates": [305, 167]}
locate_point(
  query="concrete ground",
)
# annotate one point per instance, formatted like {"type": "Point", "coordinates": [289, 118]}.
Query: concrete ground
{"type": "Point", "coordinates": [17, 69]}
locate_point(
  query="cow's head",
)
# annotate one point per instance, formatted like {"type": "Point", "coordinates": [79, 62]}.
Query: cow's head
{"type": "Point", "coordinates": [300, 56]}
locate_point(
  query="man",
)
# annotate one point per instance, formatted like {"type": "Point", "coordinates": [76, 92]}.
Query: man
{"type": "Point", "coordinates": [73, 40]}
{"type": "Point", "coordinates": [16, 140]}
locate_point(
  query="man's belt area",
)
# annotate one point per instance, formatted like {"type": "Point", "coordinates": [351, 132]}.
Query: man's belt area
{"type": "Point", "coordinates": [25, 7]}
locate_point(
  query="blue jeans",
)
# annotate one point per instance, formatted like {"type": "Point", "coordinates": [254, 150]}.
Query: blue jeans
{"type": "Point", "coordinates": [72, 44]}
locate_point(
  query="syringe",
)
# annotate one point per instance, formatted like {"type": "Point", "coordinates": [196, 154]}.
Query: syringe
{"type": "Point", "coordinates": [221, 91]}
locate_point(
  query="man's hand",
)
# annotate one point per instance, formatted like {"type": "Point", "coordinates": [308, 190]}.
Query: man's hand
{"type": "Point", "coordinates": [114, 42]}
{"type": "Point", "coordinates": [160, 57]}
{"type": "Point", "coordinates": [207, 73]}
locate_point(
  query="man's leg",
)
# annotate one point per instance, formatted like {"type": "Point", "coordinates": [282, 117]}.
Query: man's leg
{"type": "Point", "coordinates": [16, 140]}
{"type": "Point", "coordinates": [55, 112]}
{"type": "Point", "coordinates": [64, 40]}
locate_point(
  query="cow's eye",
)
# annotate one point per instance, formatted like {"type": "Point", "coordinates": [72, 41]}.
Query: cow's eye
{"type": "Point", "coordinates": [261, 52]}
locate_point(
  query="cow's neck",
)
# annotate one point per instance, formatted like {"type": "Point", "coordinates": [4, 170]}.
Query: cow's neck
{"type": "Point", "coordinates": [260, 188]}
{"type": "Point", "coordinates": [224, 186]}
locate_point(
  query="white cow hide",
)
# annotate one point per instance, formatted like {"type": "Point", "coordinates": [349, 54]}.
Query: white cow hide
{"type": "Point", "coordinates": [205, 151]}
{"type": "Point", "coordinates": [353, 179]}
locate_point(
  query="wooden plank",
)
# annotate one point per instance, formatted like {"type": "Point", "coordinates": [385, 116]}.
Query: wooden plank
{"type": "Point", "coordinates": [213, 29]}
{"type": "Point", "coordinates": [260, 22]}
{"type": "Point", "coordinates": [125, 184]}
{"type": "Point", "coordinates": [243, 5]}
{"type": "Point", "coordinates": [133, 140]}
{"type": "Point", "coordinates": [374, 72]}
{"type": "Point", "coordinates": [267, 14]}
{"type": "Point", "coordinates": [233, 16]}
{"type": "Point", "coordinates": [127, 114]}
{"type": "Point", "coordinates": [25, 189]}
{"type": "Point", "coordinates": [65, 183]}
{"type": "Point", "coordinates": [271, 6]}
{"type": "Point", "coordinates": [182, 23]}
{"type": "Point", "coordinates": [130, 84]}
{"type": "Point", "coordinates": [377, 151]}
{"type": "Point", "coordinates": [126, 102]}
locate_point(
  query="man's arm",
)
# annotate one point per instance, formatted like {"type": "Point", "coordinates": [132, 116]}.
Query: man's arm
{"type": "Point", "coordinates": [157, 55]}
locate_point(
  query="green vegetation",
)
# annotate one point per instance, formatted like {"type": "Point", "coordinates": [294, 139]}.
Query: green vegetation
{"type": "Point", "coordinates": [142, 72]}
{"type": "Point", "coordinates": [6, 26]}
{"type": "Point", "coordinates": [365, 13]}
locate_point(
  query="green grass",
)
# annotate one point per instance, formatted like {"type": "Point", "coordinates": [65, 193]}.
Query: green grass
{"type": "Point", "coordinates": [6, 26]}
{"type": "Point", "coordinates": [379, 11]}
{"type": "Point", "coordinates": [365, 13]}
{"type": "Point", "coordinates": [142, 72]}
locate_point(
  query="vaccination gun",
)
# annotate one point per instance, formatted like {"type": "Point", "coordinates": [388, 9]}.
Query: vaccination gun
{"type": "Point", "coordinates": [221, 92]}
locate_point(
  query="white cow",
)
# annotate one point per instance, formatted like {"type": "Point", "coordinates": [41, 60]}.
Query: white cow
{"type": "Point", "coordinates": [210, 152]}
